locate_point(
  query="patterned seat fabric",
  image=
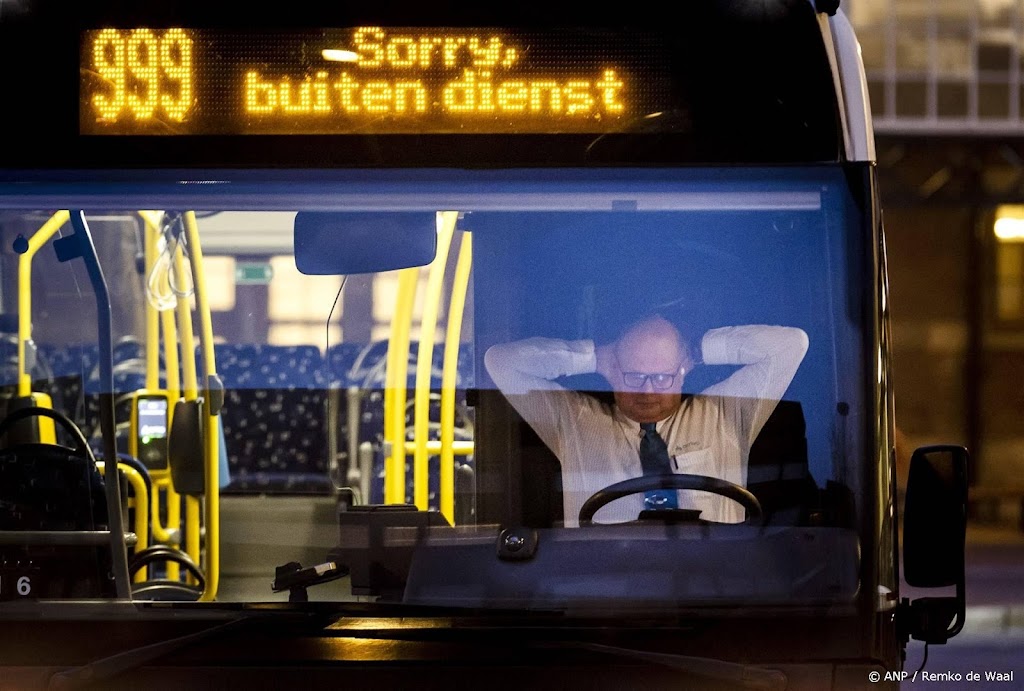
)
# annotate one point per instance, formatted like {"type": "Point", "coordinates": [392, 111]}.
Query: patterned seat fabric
{"type": "Point", "coordinates": [129, 375]}
{"type": "Point", "coordinates": [68, 366]}
{"type": "Point", "coordinates": [277, 405]}
{"type": "Point", "coordinates": [274, 418]}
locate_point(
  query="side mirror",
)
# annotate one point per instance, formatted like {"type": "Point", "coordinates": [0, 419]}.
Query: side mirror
{"type": "Point", "coordinates": [341, 243]}
{"type": "Point", "coordinates": [934, 531]}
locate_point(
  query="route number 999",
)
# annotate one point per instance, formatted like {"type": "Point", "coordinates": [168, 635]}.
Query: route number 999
{"type": "Point", "coordinates": [142, 75]}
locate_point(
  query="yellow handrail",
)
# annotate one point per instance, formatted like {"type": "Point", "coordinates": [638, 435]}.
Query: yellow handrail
{"type": "Point", "coordinates": [174, 390]}
{"type": "Point", "coordinates": [157, 321]}
{"type": "Point", "coordinates": [160, 533]}
{"type": "Point", "coordinates": [171, 366]}
{"type": "Point", "coordinates": [190, 392]}
{"type": "Point", "coordinates": [212, 439]}
{"type": "Point", "coordinates": [190, 383]}
{"type": "Point", "coordinates": [434, 447]}
{"type": "Point", "coordinates": [37, 240]}
{"type": "Point", "coordinates": [173, 499]}
{"type": "Point", "coordinates": [142, 504]}
{"type": "Point", "coordinates": [425, 358]}
{"type": "Point", "coordinates": [395, 385]}
{"type": "Point", "coordinates": [152, 314]}
{"type": "Point", "coordinates": [156, 318]}
{"type": "Point", "coordinates": [448, 380]}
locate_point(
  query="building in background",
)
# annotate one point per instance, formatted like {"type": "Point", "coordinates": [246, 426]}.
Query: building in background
{"type": "Point", "coordinates": [945, 79]}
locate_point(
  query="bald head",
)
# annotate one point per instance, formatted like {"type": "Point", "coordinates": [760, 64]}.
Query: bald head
{"type": "Point", "coordinates": [653, 341]}
{"type": "Point", "coordinates": [652, 360]}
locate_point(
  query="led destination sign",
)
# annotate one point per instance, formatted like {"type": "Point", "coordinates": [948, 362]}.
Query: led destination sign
{"type": "Point", "coordinates": [366, 80]}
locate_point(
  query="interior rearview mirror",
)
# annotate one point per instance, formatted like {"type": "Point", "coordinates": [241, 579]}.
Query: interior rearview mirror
{"type": "Point", "coordinates": [358, 242]}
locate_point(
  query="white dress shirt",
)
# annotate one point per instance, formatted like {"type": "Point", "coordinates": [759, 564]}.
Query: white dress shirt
{"type": "Point", "coordinates": [709, 434]}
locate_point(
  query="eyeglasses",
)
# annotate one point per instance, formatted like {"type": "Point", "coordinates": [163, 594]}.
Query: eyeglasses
{"type": "Point", "coordinates": [636, 380]}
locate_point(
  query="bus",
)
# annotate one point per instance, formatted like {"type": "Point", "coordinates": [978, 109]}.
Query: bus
{"type": "Point", "coordinates": [445, 344]}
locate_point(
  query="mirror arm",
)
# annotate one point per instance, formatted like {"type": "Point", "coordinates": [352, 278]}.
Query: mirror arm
{"type": "Point", "coordinates": [928, 619]}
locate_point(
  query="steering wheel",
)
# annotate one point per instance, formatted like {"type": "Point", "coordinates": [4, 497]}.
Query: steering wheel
{"type": "Point", "coordinates": [672, 482]}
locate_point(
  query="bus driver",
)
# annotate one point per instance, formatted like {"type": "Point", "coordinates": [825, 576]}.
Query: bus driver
{"type": "Point", "coordinates": [599, 444]}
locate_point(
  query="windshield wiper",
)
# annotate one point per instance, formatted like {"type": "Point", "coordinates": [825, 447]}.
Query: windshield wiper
{"type": "Point", "coordinates": [734, 673]}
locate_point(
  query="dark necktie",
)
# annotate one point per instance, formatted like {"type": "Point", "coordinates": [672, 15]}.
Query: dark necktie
{"type": "Point", "coordinates": [655, 461]}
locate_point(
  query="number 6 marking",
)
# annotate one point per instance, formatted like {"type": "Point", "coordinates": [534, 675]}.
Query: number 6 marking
{"type": "Point", "coordinates": [24, 585]}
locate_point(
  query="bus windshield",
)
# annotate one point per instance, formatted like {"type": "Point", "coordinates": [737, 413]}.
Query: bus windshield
{"type": "Point", "coordinates": [598, 378]}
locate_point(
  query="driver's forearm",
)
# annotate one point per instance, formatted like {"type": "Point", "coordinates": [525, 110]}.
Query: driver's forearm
{"type": "Point", "coordinates": [534, 363]}
{"type": "Point", "coordinates": [769, 355]}
{"type": "Point", "coordinates": [747, 345]}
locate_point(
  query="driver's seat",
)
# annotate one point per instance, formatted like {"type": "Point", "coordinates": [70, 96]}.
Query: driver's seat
{"type": "Point", "coordinates": [542, 482]}
{"type": "Point", "coordinates": [777, 472]}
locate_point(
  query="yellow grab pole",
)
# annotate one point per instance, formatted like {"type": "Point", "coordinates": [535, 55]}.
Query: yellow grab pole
{"type": "Point", "coordinates": [173, 499]}
{"type": "Point", "coordinates": [192, 529]}
{"type": "Point", "coordinates": [142, 504]}
{"type": "Point", "coordinates": [212, 465]}
{"type": "Point", "coordinates": [395, 385]}
{"type": "Point", "coordinates": [160, 533]}
{"type": "Point", "coordinates": [157, 320]}
{"type": "Point", "coordinates": [152, 315]}
{"type": "Point", "coordinates": [425, 358]}
{"type": "Point", "coordinates": [457, 448]}
{"type": "Point", "coordinates": [174, 392]}
{"type": "Point", "coordinates": [171, 355]}
{"type": "Point", "coordinates": [190, 391]}
{"type": "Point", "coordinates": [37, 240]}
{"type": "Point", "coordinates": [189, 384]}
{"type": "Point", "coordinates": [448, 378]}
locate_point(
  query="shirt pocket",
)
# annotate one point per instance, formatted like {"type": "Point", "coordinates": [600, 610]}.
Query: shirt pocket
{"type": "Point", "coordinates": [712, 506]}
{"type": "Point", "coordinates": [699, 462]}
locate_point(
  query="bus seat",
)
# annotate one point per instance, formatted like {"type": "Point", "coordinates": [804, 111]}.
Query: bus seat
{"type": "Point", "coordinates": [274, 418]}
{"type": "Point", "coordinates": [339, 361]}
{"type": "Point", "coordinates": [71, 365]}
{"type": "Point", "coordinates": [55, 488]}
{"type": "Point", "coordinates": [128, 374]}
